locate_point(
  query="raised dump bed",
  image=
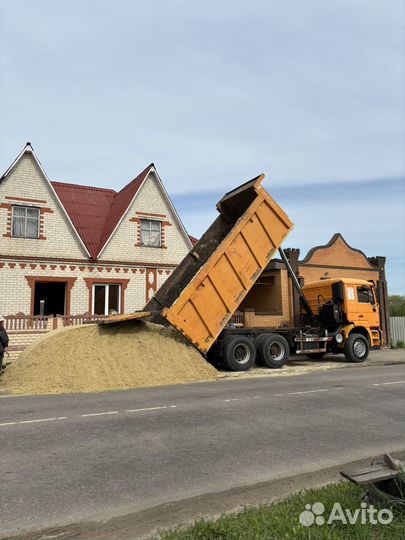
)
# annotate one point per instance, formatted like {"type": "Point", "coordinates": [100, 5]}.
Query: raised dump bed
{"type": "Point", "coordinates": [209, 285]}
{"type": "Point", "coordinates": [204, 291]}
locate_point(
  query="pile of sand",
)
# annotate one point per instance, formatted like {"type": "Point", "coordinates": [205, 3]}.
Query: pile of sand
{"type": "Point", "coordinates": [92, 358]}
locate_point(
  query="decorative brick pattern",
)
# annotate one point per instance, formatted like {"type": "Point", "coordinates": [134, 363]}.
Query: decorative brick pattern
{"type": "Point", "coordinates": [150, 283]}
{"type": "Point", "coordinates": [164, 224]}
{"type": "Point", "coordinates": [7, 207]}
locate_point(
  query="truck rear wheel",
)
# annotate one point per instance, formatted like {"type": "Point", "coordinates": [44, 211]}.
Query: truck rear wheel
{"type": "Point", "coordinates": [239, 353]}
{"type": "Point", "coordinates": [274, 351]}
{"type": "Point", "coordinates": [258, 343]}
{"type": "Point", "coordinates": [356, 348]}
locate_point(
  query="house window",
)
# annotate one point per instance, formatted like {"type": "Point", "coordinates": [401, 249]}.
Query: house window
{"type": "Point", "coordinates": [365, 295]}
{"type": "Point", "coordinates": [151, 233]}
{"type": "Point", "coordinates": [106, 299]}
{"type": "Point", "coordinates": [25, 222]}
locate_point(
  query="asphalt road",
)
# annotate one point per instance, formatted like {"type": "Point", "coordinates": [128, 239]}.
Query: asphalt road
{"type": "Point", "coordinates": [66, 459]}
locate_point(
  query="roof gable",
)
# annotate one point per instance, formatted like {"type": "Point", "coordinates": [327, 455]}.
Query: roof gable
{"type": "Point", "coordinates": [28, 150]}
{"type": "Point", "coordinates": [95, 213]}
{"type": "Point", "coordinates": [335, 252]}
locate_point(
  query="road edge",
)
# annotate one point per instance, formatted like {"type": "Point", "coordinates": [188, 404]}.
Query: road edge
{"type": "Point", "coordinates": [186, 511]}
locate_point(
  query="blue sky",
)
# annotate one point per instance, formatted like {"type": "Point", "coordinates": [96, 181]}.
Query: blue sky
{"type": "Point", "coordinates": [215, 92]}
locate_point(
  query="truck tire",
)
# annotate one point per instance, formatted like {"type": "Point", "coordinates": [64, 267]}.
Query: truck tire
{"type": "Point", "coordinates": [258, 343]}
{"type": "Point", "coordinates": [356, 348]}
{"type": "Point", "coordinates": [316, 355]}
{"type": "Point", "coordinates": [274, 351]}
{"type": "Point", "coordinates": [239, 353]}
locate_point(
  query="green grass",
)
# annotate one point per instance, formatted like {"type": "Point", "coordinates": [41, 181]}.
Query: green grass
{"type": "Point", "coordinates": [280, 520]}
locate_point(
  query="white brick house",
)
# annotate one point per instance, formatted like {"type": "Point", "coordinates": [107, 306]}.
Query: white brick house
{"type": "Point", "coordinates": [68, 249]}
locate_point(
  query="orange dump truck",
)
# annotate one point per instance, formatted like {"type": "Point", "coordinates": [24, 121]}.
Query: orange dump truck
{"type": "Point", "coordinates": [202, 294]}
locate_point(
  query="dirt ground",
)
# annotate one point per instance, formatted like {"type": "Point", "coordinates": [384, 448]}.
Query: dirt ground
{"type": "Point", "coordinates": [301, 364]}
{"type": "Point", "coordinates": [93, 358]}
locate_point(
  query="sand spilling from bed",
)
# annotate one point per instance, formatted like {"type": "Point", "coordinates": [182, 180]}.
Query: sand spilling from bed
{"type": "Point", "coordinates": [93, 358]}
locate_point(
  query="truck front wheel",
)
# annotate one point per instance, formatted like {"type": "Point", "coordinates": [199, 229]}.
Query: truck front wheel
{"type": "Point", "coordinates": [274, 351]}
{"type": "Point", "coordinates": [356, 348]}
{"type": "Point", "coordinates": [239, 353]}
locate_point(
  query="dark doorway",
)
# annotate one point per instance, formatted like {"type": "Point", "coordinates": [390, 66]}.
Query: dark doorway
{"type": "Point", "coordinates": [49, 298]}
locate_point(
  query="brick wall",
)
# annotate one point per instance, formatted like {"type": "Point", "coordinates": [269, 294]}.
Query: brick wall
{"type": "Point", "coordinates": [19, 340]}
{"type": "Point", "coordinates": [16, 276]}
{"type": "Point", "coordinates": [337, 252]}
{"type": "Point", "coordinates": [315, 273]}
{"type": "Point", "coordinates": [272, 320]}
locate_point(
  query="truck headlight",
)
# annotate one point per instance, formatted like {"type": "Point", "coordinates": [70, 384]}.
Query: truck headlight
{"type": "Point", "coordinates": [339, 338]}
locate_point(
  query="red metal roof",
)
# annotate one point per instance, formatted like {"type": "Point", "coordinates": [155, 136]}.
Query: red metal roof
{"type": "Point", "coordinates": [120, 203]}
{"type": "Point", "coordinates": [95, 212]}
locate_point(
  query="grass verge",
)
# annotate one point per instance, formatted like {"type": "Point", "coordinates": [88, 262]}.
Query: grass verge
{"type": "Point", "coordinates": [281, 520]}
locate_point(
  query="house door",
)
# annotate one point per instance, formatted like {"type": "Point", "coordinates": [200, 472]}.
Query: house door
{"type": "Point", "coordinates": [106, 299]}
{"type": "Point", "coordinates": [50, 298]}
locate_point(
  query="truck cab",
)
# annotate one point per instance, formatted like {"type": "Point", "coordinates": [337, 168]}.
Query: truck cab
{"type": "Point", "coordinates": [348, 309]}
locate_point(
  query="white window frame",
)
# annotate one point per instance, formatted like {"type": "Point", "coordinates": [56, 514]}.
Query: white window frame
{"type": "Point", "coordinates": [107, 294]}
{"type": "Point", "coordinates": [150, 221]}
{"type": "Point", "coordinates": [19, 206]}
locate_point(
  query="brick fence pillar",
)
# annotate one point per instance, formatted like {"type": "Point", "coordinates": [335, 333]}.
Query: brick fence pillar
{"type": "Point", "coordinates": [382, 297]}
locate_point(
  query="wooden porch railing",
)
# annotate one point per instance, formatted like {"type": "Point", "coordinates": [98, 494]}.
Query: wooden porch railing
{"type": "Point", "coordinates": [25, 322]}
{"type": "Point", "coordinates": [21, 322]}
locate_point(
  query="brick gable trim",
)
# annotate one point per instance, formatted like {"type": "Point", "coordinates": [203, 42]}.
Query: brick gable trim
{"type": "Point", "coordinates": [150, 214]}
{"type": "Point", "coordinates": [24, 199]}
